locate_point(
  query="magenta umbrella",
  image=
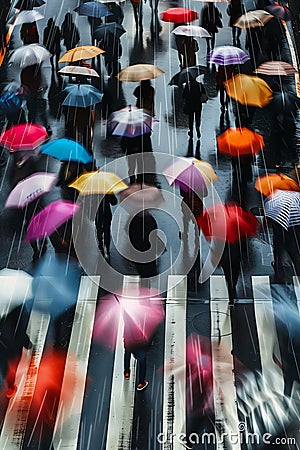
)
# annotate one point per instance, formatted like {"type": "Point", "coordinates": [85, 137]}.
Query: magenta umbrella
{"type": "Point", "coordinates": [142, 311]}
{"type": "Point", "coordinates": [26, 136]}
{"type": "Point", "coordinates": [30, 189]}
{"type": "Point", "coordinates": [49, 219]}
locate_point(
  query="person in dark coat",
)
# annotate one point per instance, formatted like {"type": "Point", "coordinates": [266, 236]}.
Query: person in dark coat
{"type": "Point", "coordinates": [187, 48]}
{"type": "Point", "coordinates": [211, 20]}
{"type": "Point", "coordinates": [117, 13]}
{"type": "Point", "coordinates": [234, 10]}
{"type": "Point", "coordinates": [69, 32]}
{"type": "Point", "coordinates": [134, 147]}
{"type": "Point", "coordinates": [241, 176]}
{"type": "Point", "coordinates": [193, 96]}
{"type": "Point", "coordinates": [51, 40]}
{"type": "Point", "coordinates": [103, 223]}
{"type": "Point", "coordinates": [29, 33]}
{"type": "Point", "coordinates": [223, 74]}
{"type": "Point", "coordinates": [144, 94]}
{"type": "Point", "coordinates": [113, 52]}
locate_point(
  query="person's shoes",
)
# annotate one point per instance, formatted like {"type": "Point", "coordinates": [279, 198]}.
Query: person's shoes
{"type": "Point", "coordinates": [106, 253]}
{"type": "Point", "coordinates": [127, 374]}
{"type": "Point", "coordinates": [142, 386]}
{"type": "Point", "coordinates": [11, 391]}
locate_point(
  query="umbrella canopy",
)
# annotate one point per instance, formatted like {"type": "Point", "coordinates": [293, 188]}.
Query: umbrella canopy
{"type": "Point", "coordinates": [249, 90]}
{"type": "Point", "coordinates": [139, 72]}
{"type": "Point", "coordinates": [240, 141]}
{"type": "Point", "coordinates": [228, 223]}
{"type": "Point", "coordinates": [10, 102]}
{"type": "Point", "coordinates": [79, 70]}
{"type": "Point", "coordinates": [253, 19]}
{"type": "Point", "coordinates": [190, 173]}
{"type": "Point", "coordinates": [82, 52]}
{"type": "Point", "coordinates": [227, 55]}
{"type": "Point", "coordinates": [93, 9]}
{"type": "Point", "coordinates": [16, 288]}
{"type": "Point", "coordinates": [187, 74]}
{"type": "Point", "coordinates": [276, 68]}
{"type": "Point", "coordinates": [140, 195]}
{"type": "Point", "coordinates": [284, 102]}
{"type": "Point", "coordinates": [28, 55]}
{"type": "Point", "coordinates": [98, 182]}
{"type": "Point", "coordinates": [142, 311]}
{"type": "Point", "coordinates": [81, 95]}
{"type": "Point", "coordinates": [26, 136]}
{"type": "Point", "coordinates": [280, 11]}
{"type": "Point", "coordinates": [284, 208]}
{"type": "Point", "coordinates": [49, 219]}
{"type": "Point", "coordinates": [191, 30]}
{"type": "Point", "coordinates": [30, 189]}
{"type": "Point", "coordinates": [26, 16]}
{"type": "Point", "coordinates": [130, 121]}
{"type": "Point", "coordinates": [179, 15]}
{"type": "Point", "coordinates": [28, 4]}
{"type": "Point", "coordinates": [271, 182]}
{"type": "Point", "coordinates": [111, 28]}
{"type": "Point", "coordinates": [66, 149]}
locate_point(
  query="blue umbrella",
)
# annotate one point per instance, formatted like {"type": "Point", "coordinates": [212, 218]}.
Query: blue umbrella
{"type": "Point", "coordinates": [66, 150]}
{"type": "Point", "coordinates": [81, 95]}
{"type": "Point", "coordinates": [93, 9]}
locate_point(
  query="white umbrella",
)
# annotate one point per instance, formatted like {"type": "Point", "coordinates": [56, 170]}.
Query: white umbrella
{"type": "Point", "coordinates": [191, 30]}
{"type": "Point", "coordinates": [26, 16]}
{"type": "Point", "coordinates": [16, 288]}
{"type": "Point", "coordinates": [28, 55]}
{"type": "Point", "coordinates": [79, 70]}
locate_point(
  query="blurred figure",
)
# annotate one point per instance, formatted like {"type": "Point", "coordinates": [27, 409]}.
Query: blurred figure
{"type": "Point", "coordinates": [194, 201]}
{"type": "Point", "coordinates": [194, 94]}
{"type": "Point", "coordinates": [187, 48]}
{"type": "Point", "coordinates": [285, 241]}
{"type": "Point", "coordinates": [144, 94]}
{"type": "Point", "coordinates": [254, 38]}
{"type": "Point", "coordinates": [103, 223]}
{"type": "Point", "coordinates": [211, 20]}
{"type": "Point", "coordinates": [223, 74]}
{"type": "Point", "coordinates": [79, 125]}
{"type": "Point", "coordinates": [51, 41]}
{"type": "Point", "coordinates": [117, 13]}
{"type": "Point", "coordinates": [138, 350]}
{"type": "Point", "coordinates": [234, 10]}
{"type": "Point", "coordinates": [134, 147]}
{"type": "Point", "coordinates": [69, 32]}
{"type": "Point", "coordinates": [29, 33]}
{"type": "Point", "coordinates": [241, 176]}
{"type": "Point", "coordinates": [113, 52]}
{"type": "Point", "coordinates": [137, 6]}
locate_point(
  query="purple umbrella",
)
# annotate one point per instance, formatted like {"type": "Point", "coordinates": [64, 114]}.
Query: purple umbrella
{"type": "Point", "coordinates": [49, 219]}
{"type": "Point", "coordinates": [280, 11]}
{"type": "Point", "coordinates": [227, 55]}
{"type": "Point", "coordinates": [30, 189]}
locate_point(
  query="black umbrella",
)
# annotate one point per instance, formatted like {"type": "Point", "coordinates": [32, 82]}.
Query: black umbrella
{"type": "Point", "coordinates": [28, 4]}
{"type": "Point", "coordinates": [186, 74]}
{"type": "Point", "coordinates": [110, 28]}
{"type": "Point", "coordinates": [284, 102]}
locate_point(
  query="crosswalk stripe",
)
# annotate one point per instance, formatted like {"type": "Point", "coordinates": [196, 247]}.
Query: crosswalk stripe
{"type": "Point", "coordinates": [226, 418]}
{"type": "Point", "coordinates": [15, 422]}
{"type": "Point", "coordinates": [174, 383]}
{"type": "Point", "coordinates": [119, 429]}
{"type": "Point", "coordinates": [68, 417]}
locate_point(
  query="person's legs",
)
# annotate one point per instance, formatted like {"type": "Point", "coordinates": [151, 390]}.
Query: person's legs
{"type": "Point", "coordinates": [140, 356]}
{"type": "Point", "coordinates": [99, 229]}
{"type": "Point", "coordinates": [197, 121]}
{"type": "Point", "coordinates": [127, 357]}
{"type": "Point", "coordinates": [191, 124]}
{"type": "Point", "coordinates": [292, 241]}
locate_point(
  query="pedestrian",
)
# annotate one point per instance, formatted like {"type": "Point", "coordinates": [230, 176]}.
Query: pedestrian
{"type": "Point", "coordinates": [285, 243]}
{"type": "Point", "coordinates": [94, 23]}
{"type": "Point", "coordinates": [103, 223]}
{"type": "Point", "coordinates": [231, 265]}
{"type": "Point", "coordinates": [223, 74]}
{"type": "Point", "coordinates": [254, 45]}
{"type": "Point", "coordinates": [137, 6]}
{"type": "Point", "coordinates": [144, 94]}
{"type": "Point", "coordinates": [134, 147]}
{"type": "Point", "coordinates": [113, 52]}
{"type": "Point", "coordinates": [51, 40]}
{"type": "Point", "coordinates": [79, 125]}
{"type": "Point", "coordinates": [194, 95]}
{"type": "Point", "coordinates": [241, 176]}
{"type": "Point", "coordinates": [29, 33]}
{"type": "Point", "coordinates": [187, 48]}
{"type": "Point", "coordinates": [194, 201]}
{"type": "Point", "coordinates": [117, 14]}
{"type": "Point", "coordinates": [211, 20]}
{"type": "Point", "coordinates": [234, 10]}
{"type": "Point", "coordinates": [69, 32]}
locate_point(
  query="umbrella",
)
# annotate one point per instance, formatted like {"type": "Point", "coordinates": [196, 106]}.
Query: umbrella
{"type": "Point", "coordinates": [82, 52]}
{"type": "Point", "coordinates": [10, 102]}
{"type": "Point", "coordinates": [30, 189]}
{"type": "Point", "coordinates": [240, 141]}
{"type": "Point", "coordinates": [284, 102]}
{"type": "Point", "coordinates": [253, 19]}
{"type": "Point", "coordinates": [98, 182]}
{"type": "Point", "coordinates": [49, 219]}
{"type": "Point", "coordinates": [249, 90]}
{"type": "Point", "coordinates": [227, 222]}
{"type": "Point", "coordinates": [130, 121]}
{"type": "Point", "coordinates": [179, 15]}
{"type": "Point", "coordinates": [190, 174]}
{"type": "Point", "coordinates": [269, 183]}
{"type": "Point", "coordinates": [142, 311]}
{"type": "Point", "coordinates": [110, 28]}
{"type": "Point", "coordinates": [139, 72]}
{"type": "Point", "coordinates": [142, 195]}
{"type": "Point", "coordinates": [28, 55]}
{"type": "Point", "coordinates": [26, 136]}
{"type": "Point", "coordinates": [26, 16]}
{"type": "Point", "coordinates": [28, 4]}
{"type": "Point", "coordinates": [227, 55]}
{"type": "Point", "coordinates": [81, 95]}
{"type": "Point", "coordinates": [276, 68]}
{"type": "Point", "coordinates": [284, 208]}
{"type": "Point", "coordinates": [191, 30]}
{"type": "Point", "coordinates": [280, 11]}
{"type": "Point", "coordinates": [79, 70]}
{"type": "Point", "coordinates": [186, 74]}
{"type": "Point", "coordinates": [66, 149]}
{"type": "Point", "coordinates": [16, 288]}
{"type": "Point", "coordinates": [93, 9]}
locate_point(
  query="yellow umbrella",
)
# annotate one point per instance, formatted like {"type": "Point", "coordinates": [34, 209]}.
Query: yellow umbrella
{"type": "Point", "coordinates": [98, 182]}
{"type": "Point", "coordinates": [270, 183]}
{"type": "Point", "coordinates": [206, 169]}
{"type": "Point", "coordinates": [253, 19]}
{"type": "Point", "coordinates": [139, 72]}
{"type": "Point", "coordinates": [249, 90]}
{"type": "Point", "coordinates": [83, 52]}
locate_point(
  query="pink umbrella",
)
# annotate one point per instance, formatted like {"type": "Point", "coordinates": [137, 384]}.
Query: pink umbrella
{"type": "Point", "coordinates": [142, 311]}
{"type": "Point", "coordinates": [49, 219]}
{"type": "Point", "coordinates": [25, 136]}
{"type": "Point", "coordinates": [30, 189]}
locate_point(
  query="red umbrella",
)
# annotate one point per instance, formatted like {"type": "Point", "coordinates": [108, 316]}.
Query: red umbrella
{"type": "Point", "coordinates": [227, 223]}
{"type": "Point", "coordinates": [179, 15]}
{"type": "Point", "coordinates": [240, 141]}
{"type": "Point", "coordinates": [142, 311]}
{"type": "Point", "coordinates": [26, 136]}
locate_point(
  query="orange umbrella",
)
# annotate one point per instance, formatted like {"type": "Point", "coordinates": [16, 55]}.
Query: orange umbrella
{"type": "Point", "coordinates": [269, 183]}
{"type": "Point", "coordinates": [279, 68]}
{"type": "Point", "coordinates": [82, 52]}
{"type": "Point", "coordinates": [240, 141]}
{"type": "Point", "coordinates": [249, 90]}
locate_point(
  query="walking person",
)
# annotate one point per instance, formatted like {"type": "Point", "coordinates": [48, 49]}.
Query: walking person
{"type": "Point", "coordinates": [144, 94]}
{"type": "Point", "coordinates": [135, 148]}
{"type": "Point", "coordinates": [140, 355]}
{"type": "Point", "coordinates": [194, 94]}
{"type": "Point", "coordinates": [69, 32]}
{"type": "Point", "coordinates": [137, 6]}
{"type": "Point", "coordinates": [234, 10]}
{"type": "Point", "coordinates": [113, 52]}
{"type": "Point", "coordinates": [51, 40]}
{"type": "Point", "coordinates": [223, 74]}
{"type": "Point", "coordinates": [211, 20]}
{"type": "Point", "coordinates": [29, 33]}
{"type": "Point", "coordinates": [241, 176]}
{"type": "Point", "coordinates": [103, 223]}
{"type": "Point", "coordinates": [187, 48]}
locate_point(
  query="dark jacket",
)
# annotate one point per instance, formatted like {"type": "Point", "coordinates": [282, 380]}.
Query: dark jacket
{"type": "Point", "coordinates": [192, 97]}
{"type": "Point", "coordinates": [211, 18]}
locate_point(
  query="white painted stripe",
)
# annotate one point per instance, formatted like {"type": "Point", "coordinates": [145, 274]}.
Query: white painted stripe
{"type": "Point", "coordinates": [119, 429]}
{"type": "Point", "coordinates": [68, 417]}
{"type": "Point", "coordinates": [294, 57]}
{"type": "Point", "coordinates": [15, 422]}
{"type": "Point", "coordinates": [226, 418]}
{"type": "Point", "coordinates": [174, 384]}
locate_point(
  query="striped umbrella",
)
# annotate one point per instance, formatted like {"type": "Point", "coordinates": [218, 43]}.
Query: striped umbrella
{"type": "Point", "coordinates": [284, 208]}
{"type": "Point", "coordinates": [227, 55]}
{"type": "Point", "coordinates": [277, 68]}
